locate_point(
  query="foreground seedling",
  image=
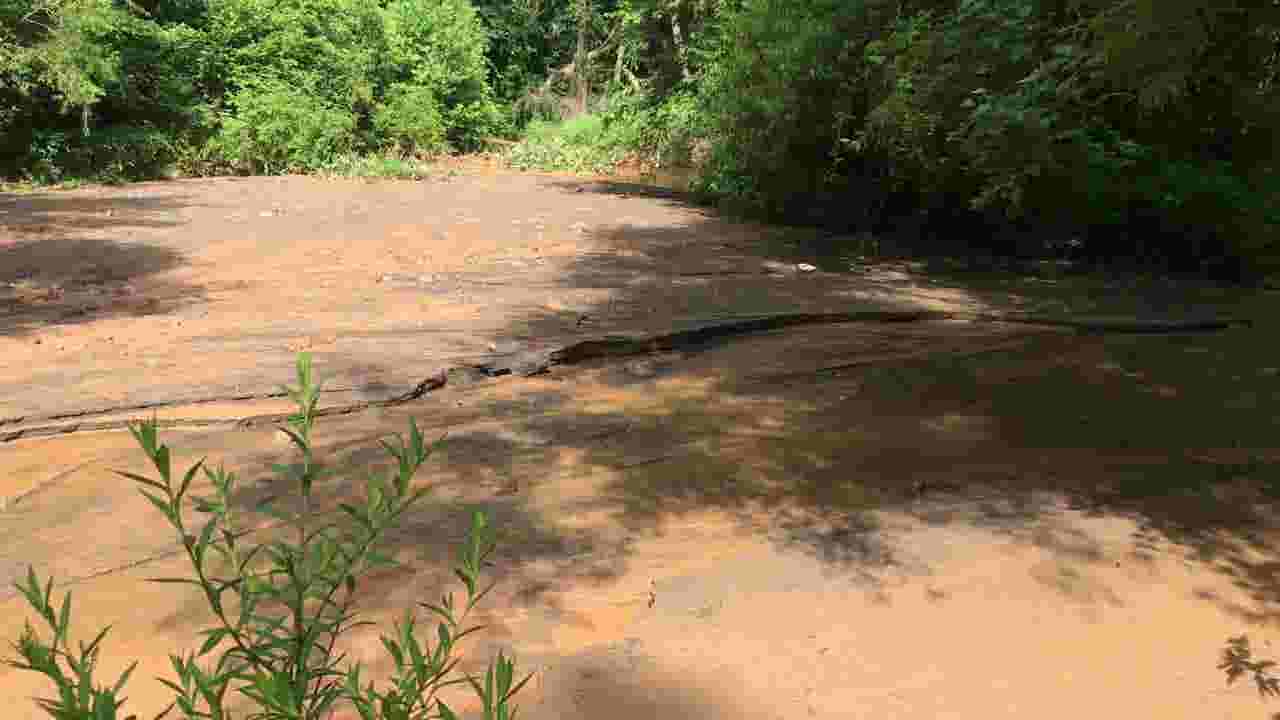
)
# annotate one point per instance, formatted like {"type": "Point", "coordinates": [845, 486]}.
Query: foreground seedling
{"type": "Point", "coordinates": [280, 606]}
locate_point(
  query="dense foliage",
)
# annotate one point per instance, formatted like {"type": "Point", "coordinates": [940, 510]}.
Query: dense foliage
{"type": "Point", "coordinates": [1110, 128]}
{"type": "Point", "coordinates": [255, 85]}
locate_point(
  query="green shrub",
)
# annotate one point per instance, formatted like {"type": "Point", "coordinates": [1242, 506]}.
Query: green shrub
{"type": "Point", "coordinates": [411, 120]}
{"type": "Point", "coordinates": [45, 154]}
{"type": "Point", "coordinates": [112, 154]}
{"type": "Point", "coordinates": [127, 153]}
{"type": "Point", "coordinates": [277, 127]}
{"type": "Point", "coordinates": [470, 123]}
{"type": "Point", "coordinates": [282, 659]}
{"type": "Point", "coordinates": [441, 45]}
{"type": "Point", "coordinates": [332, 49]}
{"type": "Point", "coordinates": [580, 144]}
{"type": "Point", "coordinates": [628, 127]}
{"type": "Point", "coordinates": [788, 83]}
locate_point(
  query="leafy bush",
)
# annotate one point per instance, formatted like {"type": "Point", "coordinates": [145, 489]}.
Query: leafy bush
{"type": "Point", "coordinates": [277, 127]}
{"type": "Point", "coordinates": [45, 154]}
{"type": "Point", "coordinates": [663, 133]}
{"type": "Point", "coordinates": [580, 144]}
{"type": "Point", "coordinates": [441, 45]}
{"type": "Point", "coordinates": [1112, 118]}
{"type": "Point", "coordinates": [784, 86]}
{"type": "Point", "coordinates": [628, 128]}
{"type": "Point", "coordinates": [470, 123]}
{"type": "Point", "coordinates": [330, 48]}
{"type": "Point", "coordinates": [279, 607]}
{"type": "Point", "coordinates": [126, 153]}
{"type": "Point", "coordinates": [411, 120]}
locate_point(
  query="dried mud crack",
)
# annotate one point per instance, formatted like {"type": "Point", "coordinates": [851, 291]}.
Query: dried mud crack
{"type": "Point", "coordinates": [536, 361]}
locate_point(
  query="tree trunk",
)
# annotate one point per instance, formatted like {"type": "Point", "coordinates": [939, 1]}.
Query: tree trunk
{"type": "Point", "coordinates": [677, 37]}
{"type": "Point", "coordinates": [618, 63]}
{"type": "Point", "coordinates": [581, 61]}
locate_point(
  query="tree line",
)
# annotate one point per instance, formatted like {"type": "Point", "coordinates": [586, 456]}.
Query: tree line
{"type": "Point", "coordinates": [1110, 129]}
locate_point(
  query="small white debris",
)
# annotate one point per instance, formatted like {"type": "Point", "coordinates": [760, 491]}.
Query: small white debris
{"type": "Point", "coordinates": [806, 267]}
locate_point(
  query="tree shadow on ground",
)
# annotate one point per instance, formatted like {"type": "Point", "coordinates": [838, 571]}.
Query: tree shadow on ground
{"type": "Point", "coordinates": [812, 436]}
{"type": "Point", "coordinates": [1136, 427]}
{"type": "Point", "coordinates": [66, 259]}
{"type": "Point", "coordinates": [807, 435]}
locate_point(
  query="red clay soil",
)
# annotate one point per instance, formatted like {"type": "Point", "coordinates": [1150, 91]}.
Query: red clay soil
{"type": "Point", "coordinates": [930, 519]}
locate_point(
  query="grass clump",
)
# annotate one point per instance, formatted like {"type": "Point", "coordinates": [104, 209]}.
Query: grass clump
{"type": "Point", "coordinates": [280, 606]}
{"type": "Point", "coordinates": [389, 166]}
{"type": "Point", "coordinates": [582, 144]}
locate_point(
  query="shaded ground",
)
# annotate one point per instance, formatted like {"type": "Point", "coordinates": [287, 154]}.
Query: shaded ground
{"type": "Point", "coordinates": [873, 520]}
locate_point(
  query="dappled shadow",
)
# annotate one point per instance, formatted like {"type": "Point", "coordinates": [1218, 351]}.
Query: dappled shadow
{"type": "Point", "coordinates": [87, 210]}
{"type": "Point", "coordinates": [869, 447]}
{"type": "Point", "coordinates": [1003, 427]}
{"type": "Point", "coordinates": [807, 434]}
{"type": "Point", "coordinates": [69, 259]}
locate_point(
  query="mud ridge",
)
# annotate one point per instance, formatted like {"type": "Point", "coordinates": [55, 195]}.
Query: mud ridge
{"type": "Point", "coordinates": [534, 362]}
{"type": "Point", "coordinates": [701, 337]}
{"type": "Point", "coordinates": [159, 404]}
{"type": "Point", "coordinates": [416, 392]}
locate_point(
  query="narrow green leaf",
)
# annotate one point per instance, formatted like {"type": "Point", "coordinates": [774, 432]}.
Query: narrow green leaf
{"type": "Point", "coordinates": [93, 646]}
{"type": "Point", "coordinates": [202, 544]}
{"type": "Point", "coordinates": [511, 693]}
{"type": "Point", "coordinates": [462, 634]}
{"type": "Point", "coordinates": [445, 639]}
{"type": "Point", "coordinates": [32, 591]}
{"type": "Point", "coordinates": [394, 649]}
{"type": "Point", "coordinates": [64, 617]}
{"type": "Point", "coordinates": [445, 712]}
{"type": "Point", "coordinates": [175, 687]}
{"type": "Point", "coordinates": [215, 636]}
{"type": "Point", "coordinates": [162, 462]}
{"type": "Point", "coordinates": [140, 479]}
{"type": "Point", "coordinates": [415, 653]}
{"type": "Point", "coordinates": [188, 477]}
{"type": "Point", "coordinates": [467, 580]}
{"type": "Point", "coordinates": [124, 678]}
{"type": "Point", "coordinates": [480, 595]}
{"type": "Point", "coordinates": [416, 443]}
{"type": "Point", "coordinates": [165, 712]}
{"type": "Point", "coordinates": [161, 504]}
